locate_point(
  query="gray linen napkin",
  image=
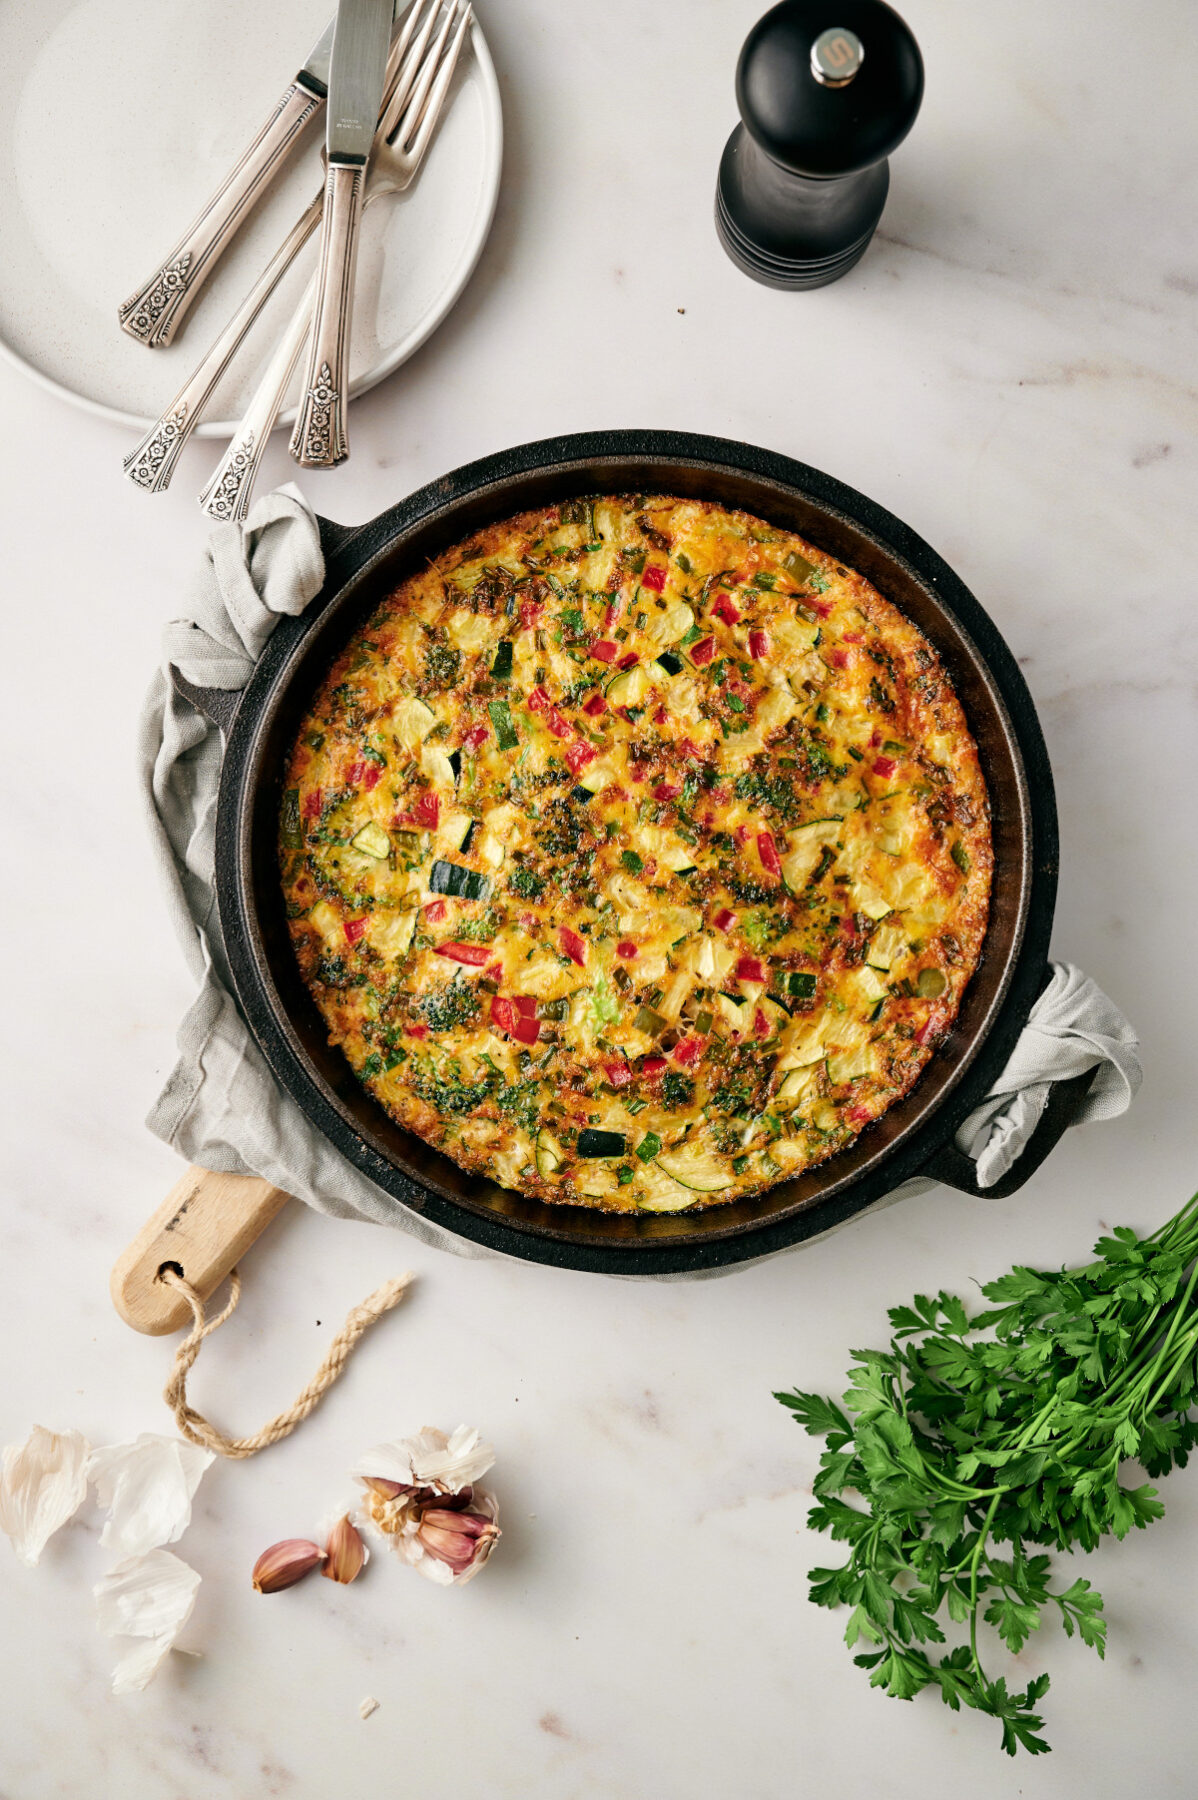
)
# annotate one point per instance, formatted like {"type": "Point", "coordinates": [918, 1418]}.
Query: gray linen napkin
{"type": "Point", "coordinates": [223, 1109]}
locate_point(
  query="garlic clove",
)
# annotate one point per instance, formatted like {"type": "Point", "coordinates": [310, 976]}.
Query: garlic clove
{"type": "Point", "coordinates": [284, 1564]}
{"type": "Point", "coordinates": [345, 1553]}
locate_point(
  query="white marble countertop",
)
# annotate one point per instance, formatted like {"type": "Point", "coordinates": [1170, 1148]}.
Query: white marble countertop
{"type": "Point", "coordinates": [1010, 370]}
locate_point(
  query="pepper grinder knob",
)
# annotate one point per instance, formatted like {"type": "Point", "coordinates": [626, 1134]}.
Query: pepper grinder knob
{"type": "Point", "coordinates": [826, 90]}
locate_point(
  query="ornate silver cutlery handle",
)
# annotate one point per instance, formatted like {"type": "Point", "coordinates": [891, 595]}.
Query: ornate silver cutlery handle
{"type": "Point", "coordinates": [152, 464]}
{"type": "Point", "coordinates": [153, 314]}
{"type": "Point", "coordinates": [227, 495]}
{"type": "Point", "coordinates": [319, 440]}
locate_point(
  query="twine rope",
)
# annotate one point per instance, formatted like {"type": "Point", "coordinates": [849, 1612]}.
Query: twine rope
{"type": "Point", "coordinates": [200, 1430]}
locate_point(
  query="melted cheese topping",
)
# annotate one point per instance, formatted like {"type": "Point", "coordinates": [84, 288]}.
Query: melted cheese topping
{"type": "Point", "coordinates": [636, 854]}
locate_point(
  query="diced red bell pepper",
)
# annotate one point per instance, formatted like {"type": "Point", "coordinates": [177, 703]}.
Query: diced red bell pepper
{"type": "Point", "coordinates": [654, 578]}
{"type": "Point", "coordinates": [417, 1031]}
{"type": "Point", "coordinates": [594, 706]}
{"type": "Point", "coordinates": [761, 1025]}
{"type": "Point", "coordinates": [759, 644]}
{"type": "Point", "coordinates": [653, 1065]}
{"type": "Point", "coordinates": [741, 833]}
{"type": "Point", "coordinates": [525, 1005]}
{"type": "Point", "coordinates": [530, 612]}
{"type": "Point", "coordinates": [767, 850]}
{"type": "Point", "coordinates": [374, 774]}
{"type": "Point", "coordinates": [660, 716]}
{"type": "Point", "coordinates": [726, 608]}
{"type": "Point", "coordinates": [435, 911]}
{"type": "Point", "coordinates": [573, 945]}
{"type": "Point", "coordinates": [927, 1028]}
{"type": "Point", "coordinates": [703, 651]}
{"type": "Point", "coordinates": [688, 1051]}
{"type": "Point", "coordinates": [749, 968]}
{"type": "Point", "coordinates": [690, 749]}
{"type": "Point", "coordinates": [627, 950]}
{"type": "Point", "coordinates": [627, 662]}
{"type": "Point", "coordinates": [578, 755]}
{"type": "Point", "coordinates": [875, 740]}
{"type": "Point", "coordinates": [558, 726]}
{"type": "Point", "coordinates": [618, 1073]}
{"type": "Point", "coordinates": [667, 790]}
{"type": "Point", "coordinates": [478, 734]}
{"type": "Point", "coordinates": [354, 929]}
{"type": "Point", "coordinates": [822, 607]}
{"type": "Point", "coordinates": [503, 1013]}
{"type": "Point", "coordinates": [839, 659]}
{"type": "Point", "coordinates": [884, 766]}
{"type": "Point", "coordinates": [494, 971]}
{"type": "Point", "coordinates": [474, 955]}
{"type": "Point", "coordinates": [605, 650]}
{"type": "Point", "coordinates": [538, 700]}
{"type": "Point", "coordinates": [529, 920]}
{"type": "Point", "coordinates": [525, 1030]}
{"type": "Point", "coordinates": [853, 637]}
{"type": "Point", "coordinates": [354, 773]}
{"type": "Point", "coordinates": [428, 811]}
{"type": "Point", "coordinates": [724, 920]}
{"type": "Point", "coordinates": [312, 803]}
{"type": "Point", "coordinates": [859, 1115]}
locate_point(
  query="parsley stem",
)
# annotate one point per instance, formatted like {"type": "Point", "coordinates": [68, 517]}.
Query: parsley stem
{"type": "Point", "coordinates": [974, 1562]}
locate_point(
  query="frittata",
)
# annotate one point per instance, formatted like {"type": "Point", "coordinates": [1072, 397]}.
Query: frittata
{"type": "Point", "coordinates": [636, 853]}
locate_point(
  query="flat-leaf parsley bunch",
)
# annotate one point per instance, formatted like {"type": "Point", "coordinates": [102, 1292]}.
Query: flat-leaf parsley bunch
{"type": "Point", "coordinates": [972, 1440]}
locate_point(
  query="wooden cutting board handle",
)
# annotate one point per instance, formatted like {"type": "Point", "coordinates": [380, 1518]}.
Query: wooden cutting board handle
{"type": "Point", "coordinates": [203, 1227]}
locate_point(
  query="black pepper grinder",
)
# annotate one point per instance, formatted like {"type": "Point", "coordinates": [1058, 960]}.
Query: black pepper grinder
{"type": "Point", "coordinates": [826, 90]}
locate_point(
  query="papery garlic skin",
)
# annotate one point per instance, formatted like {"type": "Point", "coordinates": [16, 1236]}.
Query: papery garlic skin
{"type": "Point", "coordinates": [42, 1484]}
{"type": "Point", "coordinates": [149, 1597]}
{"type": "Point", "coordinates": [284, 1564]}
{"type": "Point", "coordinates": [430, 1459]}
{"type": "Point", "coordinates": [345, 1553]}
{"type": "Point", "coordinates": [147, 1488]}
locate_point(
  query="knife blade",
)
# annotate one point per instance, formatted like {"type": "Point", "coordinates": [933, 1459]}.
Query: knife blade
{"type": "Point", "coordinates": [315, 73]}
{"type": "Point", "coordinates": [360, 44]}
{"type": "Point", "coordinates": [361, 39]}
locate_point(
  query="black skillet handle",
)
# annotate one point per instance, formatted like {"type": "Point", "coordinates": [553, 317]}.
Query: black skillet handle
{"type": "Point", "coordinates": [1061, 1109]}
{"type": "Point", "coordinates": [220, 704]}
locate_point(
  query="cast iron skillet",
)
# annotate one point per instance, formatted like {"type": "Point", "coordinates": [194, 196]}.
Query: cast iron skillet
{"type": "Point", "coordinates": [915, 1136]}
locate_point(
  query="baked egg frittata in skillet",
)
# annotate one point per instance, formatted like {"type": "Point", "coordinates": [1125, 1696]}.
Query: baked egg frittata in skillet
{"type": "Point", "coordinates": [636, 853]}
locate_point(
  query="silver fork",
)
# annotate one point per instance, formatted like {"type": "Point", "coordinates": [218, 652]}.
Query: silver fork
{"type": "Point", "coordinates": [152, 463]}
{"type": "Point", "coordinates": [400, 146]}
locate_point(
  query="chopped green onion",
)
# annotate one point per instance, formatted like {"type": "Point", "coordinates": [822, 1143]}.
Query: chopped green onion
{"type": "Point", "coordinates": [649, 1021]}
{"type": "Point", "coordinates": [290, 826]}
{"type": "Point", "coordinates": [960, 856]}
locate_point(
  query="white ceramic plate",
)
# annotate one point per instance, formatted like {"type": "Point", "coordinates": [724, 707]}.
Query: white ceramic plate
{"type": "Point", "coordinates": [117, 123]}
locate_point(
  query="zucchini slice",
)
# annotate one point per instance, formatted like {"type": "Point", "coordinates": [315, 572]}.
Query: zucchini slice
{"type": "Point", "coordinates": [372, 840]}
{"type": "Point", "coordinates": [601, 1143]}
{"type": "Point", "coordinates": [463, 884]}
{"type": "Point", "coordinates": [629, 687]}
{"type": "Point", "coordinates": [695, 1166]}
{"type": "Point", "coordinates": [549, 1155]}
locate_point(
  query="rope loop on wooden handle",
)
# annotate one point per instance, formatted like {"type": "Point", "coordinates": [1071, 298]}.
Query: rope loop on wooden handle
{"type": "Point", "coordinates": [198, 1429]}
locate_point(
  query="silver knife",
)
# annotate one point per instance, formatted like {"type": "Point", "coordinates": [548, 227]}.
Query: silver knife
{"type": "Point", "coordinates": [154, 313]}
{"type": "Point", "coordinates": [355, 89]}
